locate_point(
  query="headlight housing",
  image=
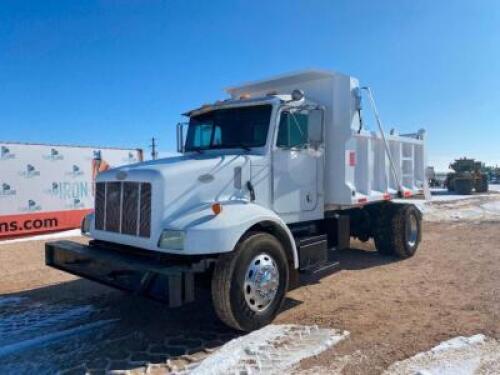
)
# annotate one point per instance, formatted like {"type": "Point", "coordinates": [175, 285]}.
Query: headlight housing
{"type": "Point", "coordinates": [172, 239]}
{"type": "Point", "coordinates": [86, 224]}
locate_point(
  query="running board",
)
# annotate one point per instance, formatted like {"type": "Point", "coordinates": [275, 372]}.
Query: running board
{"type": "Point", "coordinates": [329, 265]}
{"type": "Point", "coordinates": [313, 251]}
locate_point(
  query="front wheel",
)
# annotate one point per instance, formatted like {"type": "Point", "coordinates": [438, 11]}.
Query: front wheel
{"type": "Point", "coordinates": [463, 186]}
{"type": "Point", "coordinates": [250, 283]}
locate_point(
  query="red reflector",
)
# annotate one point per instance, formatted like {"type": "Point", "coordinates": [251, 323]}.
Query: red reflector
{"type": "Point", "coordinates": [352, 158]}
{"type": "Point", "coordinates": [387, 196]}
{"type": "Point", "coordinates": [362, 200]}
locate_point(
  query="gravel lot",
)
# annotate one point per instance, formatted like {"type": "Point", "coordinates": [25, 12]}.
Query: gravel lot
{"type": "Point", "coordinates": [392, 309]}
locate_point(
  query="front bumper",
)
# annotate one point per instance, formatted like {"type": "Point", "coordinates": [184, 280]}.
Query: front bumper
{"type": "Point", "coordinates": [167, 281]}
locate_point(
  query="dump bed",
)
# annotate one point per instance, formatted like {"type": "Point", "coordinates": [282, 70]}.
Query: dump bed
{"type": "Point", "coordinates": [358, 167]}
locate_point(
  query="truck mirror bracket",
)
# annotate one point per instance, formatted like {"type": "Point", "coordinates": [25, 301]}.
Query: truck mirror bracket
{"type": "Point", "coordinates": [251, 190]}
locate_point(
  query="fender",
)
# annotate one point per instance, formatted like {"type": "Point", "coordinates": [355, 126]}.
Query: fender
{"type": "Point", "coordinates": [207, 233]}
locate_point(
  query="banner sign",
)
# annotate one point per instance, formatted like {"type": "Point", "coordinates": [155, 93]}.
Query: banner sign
{"type": "Point", "coordinates": [45, 188]}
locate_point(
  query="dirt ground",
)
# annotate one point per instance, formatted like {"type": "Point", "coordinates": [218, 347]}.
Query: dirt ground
{"type": "Point", "coordinates": [393, 309]}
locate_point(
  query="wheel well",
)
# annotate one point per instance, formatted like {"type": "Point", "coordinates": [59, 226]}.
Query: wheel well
{"type": "Point", "coordinates": [277, 231]}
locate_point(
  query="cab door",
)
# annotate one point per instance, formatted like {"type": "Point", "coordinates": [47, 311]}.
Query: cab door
{"type": "Point", "coordinates": [298, 159]}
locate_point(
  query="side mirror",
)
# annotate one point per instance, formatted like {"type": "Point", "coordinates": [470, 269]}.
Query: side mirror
{"type": "Point", "coordinates": [358, 99]}
{"type": "Point", "coordinates": [316, 127]}
{"type": "Point", "coordinates": [180, 137]}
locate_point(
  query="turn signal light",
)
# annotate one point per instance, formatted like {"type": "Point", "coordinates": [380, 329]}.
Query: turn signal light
{"type": "Point", "coordinates": [216, 208]}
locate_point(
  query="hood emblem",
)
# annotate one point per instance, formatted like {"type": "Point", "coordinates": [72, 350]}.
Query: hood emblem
{"type": "Point", "coordinates": [121, 175]}
{"type": "Point", "coordinates": [206, 178]}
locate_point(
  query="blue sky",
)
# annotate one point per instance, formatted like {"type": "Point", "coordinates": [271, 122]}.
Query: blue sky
{"type": "Point", "coordinates": [118, 72]}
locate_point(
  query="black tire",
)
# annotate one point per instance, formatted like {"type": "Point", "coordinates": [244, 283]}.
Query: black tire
{"type": "Point", "coordinates": [228, 293]}
{"type": "Point", "coordinates": [463, 186]}
{"type": "Point", "coordinates": [449, 183]}
{"type": "Point", "coordinates": [482, 184]}
{"type": "Point", "coordinates": [382, 234]}
{"type": "Point", "coordinates": [392, 235]}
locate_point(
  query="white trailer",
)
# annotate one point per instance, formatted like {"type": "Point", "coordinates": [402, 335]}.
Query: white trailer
{"type": "Point", "coordinates": [268, 183]}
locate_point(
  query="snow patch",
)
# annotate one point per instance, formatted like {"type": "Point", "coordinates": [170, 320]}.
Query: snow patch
{"type": "Point", "coordinates": [492, 207]}
{"type": "Point", "coordinates": [270, 350]}
{"type": "Point", "coordinates": [41, 338]}
{"type": "Point", "coordinates": [51, 337]}
{"type": "Point", "coordinates": [49, 236]}
{"type": "Point", "coordinates": [450, 207]}
{"type": "Point", "coordinates": [11, 300]}
{"type": "Point", "coordinates": [459, 342]}
{"type": "Point", "coordinates": [494, 187]}
{"type": "Point", "coordinates": [26, 324]}
{"type": "Point", "coordinates": [458, 356]}
{"type": "Point", "coordinates": [34, 320]}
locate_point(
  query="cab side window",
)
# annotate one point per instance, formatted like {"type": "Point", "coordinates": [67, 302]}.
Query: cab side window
{"type": "Point", "coordinates": [293, 130]}
{"type": "Point", "coordinates": [201, 135]}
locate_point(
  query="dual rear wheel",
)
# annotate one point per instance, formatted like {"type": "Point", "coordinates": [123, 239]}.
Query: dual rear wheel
{"type": "Point", "coordinates": [398, 230]}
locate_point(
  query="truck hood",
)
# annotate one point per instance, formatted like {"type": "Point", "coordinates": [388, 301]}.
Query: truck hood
{"type": "Point", "coordinates": [182, 183]}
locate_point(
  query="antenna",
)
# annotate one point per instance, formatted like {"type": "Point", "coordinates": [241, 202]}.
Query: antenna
{"type": "Point", "coordinates": [154, 153]}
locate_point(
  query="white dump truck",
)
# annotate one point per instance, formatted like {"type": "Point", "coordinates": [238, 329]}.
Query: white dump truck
{"type": "Point", "coordinates": [268, 183]}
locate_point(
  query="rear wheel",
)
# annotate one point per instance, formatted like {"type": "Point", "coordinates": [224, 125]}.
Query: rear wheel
{"type": "Point", "coordinates": [382, 236]}
{"type": "Point", "coordinates": [449, 184]}
{"type": "Point", "coordinates": [463, 186]}
{"type": "Point", "coordinates": [399, 230]}
{"type": "Point", "coordinates": [482, 184]}
{"type": "Point", "coordinates": [250, 283]}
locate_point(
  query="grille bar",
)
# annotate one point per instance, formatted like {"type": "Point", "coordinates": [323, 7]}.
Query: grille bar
{"type": "Point", "coordinates": [123, 207]}
{"type": "Point", "coordinates": [113, 198]}
{"type": "Point", "coordinates": [130, 208]}
{"type": "Point", "coordinates": [100, 202]}
{"type": "Point", "coordinates": [145, 211]}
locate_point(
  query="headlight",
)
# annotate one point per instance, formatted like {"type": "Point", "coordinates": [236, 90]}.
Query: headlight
{"type": "Point", "coordinates": [172, 240]}
{"type": "Point", "coordinates": [85, 228]}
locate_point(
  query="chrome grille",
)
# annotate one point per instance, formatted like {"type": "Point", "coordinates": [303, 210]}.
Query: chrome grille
{"type": "Point", "coordinates": [145, 210]}
{"type": "Point", "coordinates": [123, 207]}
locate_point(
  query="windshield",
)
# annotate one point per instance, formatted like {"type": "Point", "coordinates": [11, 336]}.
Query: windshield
{"type": "Point", "coordinates": [229, 128]}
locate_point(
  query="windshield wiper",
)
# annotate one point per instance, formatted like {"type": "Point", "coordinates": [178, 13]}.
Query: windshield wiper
{"type": "Point", "coordinates": [233, 145]}
{"type": "Point", "coordinates": [243, 146]}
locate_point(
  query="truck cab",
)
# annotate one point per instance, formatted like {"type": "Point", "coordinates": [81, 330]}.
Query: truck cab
{"type": "Point", "coordinates": [266, 183]}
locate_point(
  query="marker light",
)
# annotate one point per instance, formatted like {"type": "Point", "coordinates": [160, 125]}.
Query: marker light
{"type": "Point", "coordinates": [216, 208]}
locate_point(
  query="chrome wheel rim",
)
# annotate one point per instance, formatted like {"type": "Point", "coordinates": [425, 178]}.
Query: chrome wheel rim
{"type": "Point", "coordinates": [261, 282]}
{"type": "Point", "coordinates": [411, 230]}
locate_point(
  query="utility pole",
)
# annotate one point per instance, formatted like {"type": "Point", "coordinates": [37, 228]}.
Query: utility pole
{"type": "Point", "coordinates": [154, 153]}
